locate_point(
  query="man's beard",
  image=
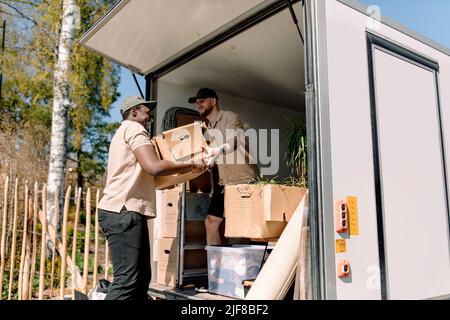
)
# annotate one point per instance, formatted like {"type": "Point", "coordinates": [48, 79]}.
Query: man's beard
{"type": "Point", "coordinates": [206, 111]}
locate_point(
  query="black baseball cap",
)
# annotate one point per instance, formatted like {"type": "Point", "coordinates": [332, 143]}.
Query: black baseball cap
{"type": "Point", "coordinates": [203, 93]}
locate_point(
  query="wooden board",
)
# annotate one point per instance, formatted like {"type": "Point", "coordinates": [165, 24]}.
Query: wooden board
{"type": "Point", "coordinates": [277, 274]}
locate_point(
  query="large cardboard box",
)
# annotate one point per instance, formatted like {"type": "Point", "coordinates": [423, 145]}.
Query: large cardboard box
{"type": "Point", "coordinates": [185, 143]}
{"type": "Point", "coordinates": [167, 262]}
{"type": "Point", "coordinates": [170, 213]}
{"type": "Point", "coordinates": [259, 211]}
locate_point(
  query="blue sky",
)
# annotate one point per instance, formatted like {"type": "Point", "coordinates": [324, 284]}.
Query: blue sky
{"type": "Point", "coordinates": [430, 18]}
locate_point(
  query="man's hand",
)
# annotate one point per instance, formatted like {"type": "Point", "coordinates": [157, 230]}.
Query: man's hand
{"type": "Point", "coordinates": [212, 153]}
{"type": "Point", "coordinates": [199, 167]}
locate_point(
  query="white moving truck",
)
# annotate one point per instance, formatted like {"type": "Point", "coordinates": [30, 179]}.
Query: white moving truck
{"type": "Point", "coordinates": [376, 100]}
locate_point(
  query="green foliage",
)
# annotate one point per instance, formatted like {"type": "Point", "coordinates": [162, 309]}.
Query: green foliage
{"type": "Point", "coordinates": [296, 155]}
{"type": "Point", "coordinates": [262, 180]}
{"type": "Point", "coordinates": [289, 181]}
{"type": "Point", "coordinates": [28, 68]}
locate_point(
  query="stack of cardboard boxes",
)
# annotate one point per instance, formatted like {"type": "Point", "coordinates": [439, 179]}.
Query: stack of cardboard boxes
{"type": "Point", "coordinates": [187, 244]}
{"type": "Point", "coordinates": [181, 242]}
{"type": "Point", "coordinates": [168, 242]}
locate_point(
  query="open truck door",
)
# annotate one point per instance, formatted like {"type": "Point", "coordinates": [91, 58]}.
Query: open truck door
{"type": "Point", "coordinates": [378, 115]}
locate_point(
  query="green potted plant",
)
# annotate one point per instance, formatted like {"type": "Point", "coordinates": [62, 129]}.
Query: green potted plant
{"type": "Point", "coordinates": [296, 154]}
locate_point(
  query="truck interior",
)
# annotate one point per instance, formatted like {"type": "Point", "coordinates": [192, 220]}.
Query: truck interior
{"type": "Point", "coordinates": [258, 74]}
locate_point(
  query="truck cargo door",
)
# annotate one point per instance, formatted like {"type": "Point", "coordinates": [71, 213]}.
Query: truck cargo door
{"type": "Point", "coordinates": [409, 160]}
{"type": "Point", "coordinates": [142, 35]}
{"type": "Point", "coordinates": [378, 124]}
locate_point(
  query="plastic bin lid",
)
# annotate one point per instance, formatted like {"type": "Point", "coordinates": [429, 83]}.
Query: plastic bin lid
{"type": "Point", "coordinates": [236, 248]}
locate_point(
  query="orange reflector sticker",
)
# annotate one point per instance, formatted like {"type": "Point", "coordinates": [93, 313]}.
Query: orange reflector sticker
{"type": "Point", "coordinates": [341, 246]}
{"type": "Point", "coordinates": [352, 205]}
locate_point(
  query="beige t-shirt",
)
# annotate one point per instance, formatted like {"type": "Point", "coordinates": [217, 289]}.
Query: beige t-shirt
{"type": "Point", "coordinates": [233, 173]}
{"type": "Point", "coordinates": [127, 184]}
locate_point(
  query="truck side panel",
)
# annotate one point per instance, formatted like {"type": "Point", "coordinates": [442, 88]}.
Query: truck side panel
{"type": "Point", "coordinates": [354, 169]}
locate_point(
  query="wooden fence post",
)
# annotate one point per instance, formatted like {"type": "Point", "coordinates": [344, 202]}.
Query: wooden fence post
{"type": "Point", "coordinates": [55, 236]}
{"type": "Point", "coordinates": [26, 268]}
{"type": "Point", "coordinates": [74, 241]}
{"type": "Point", "coordinates": [24, 241]}
{"type": "Point", "coordinates": [64, 243]}
{"type": "Point", "coordinates": [43, 243]}
{"type": "Point", "coordinates": [34, 244]}
{"type": "Point", "coordinates": [87, 240]}
{"type": "Point", "coordinates": [14, 236]}
{"type": "Point", "coordinates": [3, 239]}
{"type": "Point", "coordinates": [106, 259]}
{"type": "Point", "coordinates": [97, 196]}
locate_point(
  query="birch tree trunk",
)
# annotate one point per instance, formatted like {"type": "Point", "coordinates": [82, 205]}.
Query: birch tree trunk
{"type": "Point", "coordinates": [61, 103]}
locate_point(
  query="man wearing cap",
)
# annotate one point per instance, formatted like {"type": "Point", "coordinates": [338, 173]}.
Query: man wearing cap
{"type": "Point", "coordinates": [129, 199]}
{"type": "Point", "coordinates": [223, 127]}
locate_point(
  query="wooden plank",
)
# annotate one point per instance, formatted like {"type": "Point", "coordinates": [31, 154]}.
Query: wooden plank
{"type": "Point", "coordinates": [24, 243]}
{"type": "Point", "coordinates": [96, 228]}
{"type": "Point", "coordinates": [87, 241]}
{"type": "Point", "coordinates": [278, 272]}
{"type": "Point", "coordinates": [64, 243]}
{"type": "Point", "coordinates": [59, 247]}
{"type": "Point", "coordinates": [55, 225]}
{"type": "Point", "coordinates": [3, 238]}
{"type": "Point", "coordinates": [14, 236]}
{"type": "Point", "coordinates": [74, 268]}
{"type": "Point", "coordinates": [27, 262]}
{"type": "Point", "coordinates": [106, 260]}
{"type": "Point", "coordinates": [306, 271]}
{"type": "Point", "coordinates": [301, 283]}
{"type": "Point", "coordinates": [34, 244]}
{"type": "Point", "coordinates": [43, 243]}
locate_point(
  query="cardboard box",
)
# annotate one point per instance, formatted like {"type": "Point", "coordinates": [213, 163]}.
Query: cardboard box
{"type": "Point", "coordinates": [181, 144]}
{"type": "Point", "coordinates": [167, 273]}
{"type": "Point", "coordinates": [259, 212]}
{"type": "Point", "coordinates": [185, 143]}
{"type": "Point", "coordinates": [170, 213]}
{"type": "Point", "coordinates": [167, 262]}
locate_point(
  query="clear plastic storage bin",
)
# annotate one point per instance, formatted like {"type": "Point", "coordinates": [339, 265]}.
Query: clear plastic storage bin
{"type": "Point", "coordinates": [229, 266]}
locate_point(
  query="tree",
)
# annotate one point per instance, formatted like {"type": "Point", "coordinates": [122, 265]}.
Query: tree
{"type": "Point", "coordinates": [34, 34]}
{"type": "Point", "coordinates": [61, 104]}
{"type": "Point", "coordinates": [94, 81]}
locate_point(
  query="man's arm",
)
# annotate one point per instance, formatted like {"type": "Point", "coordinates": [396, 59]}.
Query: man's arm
{"type": "Point", "coordinates": [150, 163]}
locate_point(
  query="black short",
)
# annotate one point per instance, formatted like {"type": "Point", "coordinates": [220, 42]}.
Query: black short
{"type": "Point", "coordinates": [216, 205]}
